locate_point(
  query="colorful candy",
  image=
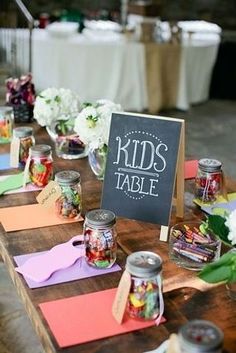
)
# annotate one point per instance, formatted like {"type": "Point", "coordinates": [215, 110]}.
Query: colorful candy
{"type": "Point", "coordinates": [68, 206]}
{"type": "Point", "coordinates": [41, 165]}
{"type": "Point", "coordinates": [208, 182]}
{"type": "Point", "coordinates": [100, 238]}
{"type": "Point", "coordinates": [6, 122]}
{"type": "Point", "coordinates": [26, 140]}
{"type": "Point", "coordinates": [145, 301]}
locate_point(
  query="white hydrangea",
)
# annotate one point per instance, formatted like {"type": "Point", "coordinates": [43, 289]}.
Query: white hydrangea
{"type": "Point", "coordinates": [93, 122]}
{"type": "Point", "coordinates": [55, 104]}
{"type": "Point", "coordinates": [231, 224]}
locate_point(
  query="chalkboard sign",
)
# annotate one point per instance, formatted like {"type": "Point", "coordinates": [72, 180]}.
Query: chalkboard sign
{"type": "Point", "coordinates": [141, 166]}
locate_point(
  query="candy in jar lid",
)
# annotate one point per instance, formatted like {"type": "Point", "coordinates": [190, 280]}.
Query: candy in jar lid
{"type": "Point", "coordinates": [100, 218]}
{"type": "Point", "coordinates": [144, 264]}
{"type": "Point", "coordinates": [23, 131]}
{"type": "Point", "coordinates": [67, 177]}
{"type": "Point", "coordinates": [209, 165]}
{"type": "Point", "coordinates": [40, 150]}
{"type": "Point", "coordinates": [200, 336]}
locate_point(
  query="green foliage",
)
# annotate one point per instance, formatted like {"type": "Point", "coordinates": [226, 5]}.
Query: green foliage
{"type": "Point", "coordinates": [222, 270]}
{"type": "Point", "coordinates": [217, 225]}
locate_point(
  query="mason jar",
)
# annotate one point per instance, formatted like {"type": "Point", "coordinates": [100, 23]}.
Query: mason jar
{"type": "Point", "coordinates": [200, 336]}
{"type": "Point", "coordinates": [26, 140]}
{"type": "Point", "coordinates": [209, 180]}
{"type": "Point", "coordinates": [145, 299]}
{"type": "Point", "coordinates": [40, 165]}
{"type": "Point", "coordinates": [6, 124]}
{"type": "Point", "coordinates": [68, 205]}
{"type": "Point", "coordinates": [100, 238]}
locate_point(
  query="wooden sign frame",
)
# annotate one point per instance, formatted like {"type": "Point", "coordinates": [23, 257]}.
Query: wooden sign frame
{"type": "Point", "coordinates": [136, 133]}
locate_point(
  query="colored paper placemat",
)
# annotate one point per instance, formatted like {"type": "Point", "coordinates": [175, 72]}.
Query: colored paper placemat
{"type": "Point", "coordinates": [14, 188]}
{"type": "Point", "coordinates": [190, 169]}
{"type": "Point", "coordinates": [5, 161]}
{"type": "Point", "coordinates": [78, 270]}
{"type": "Point", "coordinates": [220, 200]}
{"type": "Point", "coordinates": [228, 206]}
{"type": "Point", "coordinates": [86, 318]}
{"type": "Point", "coordinates": [29, 217]}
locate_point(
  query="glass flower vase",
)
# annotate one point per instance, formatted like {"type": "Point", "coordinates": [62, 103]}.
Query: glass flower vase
{"type": "Point", "coordinates": [67, 143]}
{"type": "Point", "coordinates": [97, 158]}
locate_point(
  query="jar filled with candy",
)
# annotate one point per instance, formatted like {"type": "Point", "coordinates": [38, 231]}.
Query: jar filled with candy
{"type": "Point", "coordinates": [209, 180]}
{"type": "Point", "coordinates": [200, 336]}
{"type": "Point", "coordinates": [68, 205]}
{"type": "Point", "coordinates": [6, 124]}
{"type": "Point", "coordinates": [40, 165]}
{"type": "Point", "coordinates": [100, 238]}
{"type": "Point", "coordinates": [145, 300]}
{"type": "Point", "coordinates": [26, 140]}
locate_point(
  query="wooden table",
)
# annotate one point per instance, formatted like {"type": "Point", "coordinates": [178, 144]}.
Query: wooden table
{"type": "Point", "coordinates": [181, 305]}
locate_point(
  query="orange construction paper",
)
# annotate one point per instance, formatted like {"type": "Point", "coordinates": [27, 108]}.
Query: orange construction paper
{"type": "Point", "coordinates": [190, 169]}
{"type": "Point", "coordinates": [28, 217]}
{"type": "Point", "coordinates": [86, 318]}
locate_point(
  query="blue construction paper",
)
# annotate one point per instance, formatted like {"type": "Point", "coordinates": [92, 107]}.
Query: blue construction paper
{"type": "Point", "coordinates": [5, 161]}
{"type": "Point", "coordinates": [229, 206]}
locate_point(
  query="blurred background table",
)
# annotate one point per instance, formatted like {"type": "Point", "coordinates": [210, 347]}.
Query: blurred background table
{"type": "Point", "coordinates": [115, 67]}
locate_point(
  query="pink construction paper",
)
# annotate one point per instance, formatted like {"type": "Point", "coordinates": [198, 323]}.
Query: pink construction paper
{"type": "Point", "coordinates": [40, 268]}
{"type": "Point", "coordinates": [190, 169]}
{"type": "Point", "coordinates": [79, 270]}
{"type": "Point", "coordinates": [28, 187]}
{"type": "Point", "coordinates": [86, 318]}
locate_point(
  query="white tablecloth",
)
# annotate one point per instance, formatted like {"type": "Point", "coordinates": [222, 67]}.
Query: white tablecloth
{"type": "Point", "coordinates": [114, 69]}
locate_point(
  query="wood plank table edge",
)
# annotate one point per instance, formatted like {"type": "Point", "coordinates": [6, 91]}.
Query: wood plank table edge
{"type": "Point", "coordinates": [32, 312]}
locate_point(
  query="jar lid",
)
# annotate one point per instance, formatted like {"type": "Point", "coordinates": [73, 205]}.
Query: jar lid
{"type": "Point", "coordinates": [6, 109]}
{"type": "Point", "coordinates": [40, 150]}
{"type": "Point", "coordinates": [209, 165]}
{"type": "Point", "coordinates": [23, 131]}
{"type": "Point", "coordinates": [100, 218]}
{"type": "Point", "coordinates": [144, 264]}
{"type": "Point", "coordinates": [200, 336]}
{"type": "Point", "coordinates": [67, 177]}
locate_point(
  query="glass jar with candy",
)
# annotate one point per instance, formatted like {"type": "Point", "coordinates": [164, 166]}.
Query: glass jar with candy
{"type": "Point", "coordinates": [40, 164]}
{"type": "Point", "coordinates": [68, 205]}
{"type": "Point", "coordinates": [6, 124]}
{"type": "Point", "coordinates": [209, 180]}
{"type": "Point", "coordinates": [145, 299]}
{"type": "Point", "coordinates": [100, 238]}
{"type": "Point", "coordinates": [200, 336]}
{"type": "Point", "coordinates": [26, 140]}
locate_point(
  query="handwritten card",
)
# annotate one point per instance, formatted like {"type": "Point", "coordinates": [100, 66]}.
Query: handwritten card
{"type": "Point", "coordinates": [141, 167]}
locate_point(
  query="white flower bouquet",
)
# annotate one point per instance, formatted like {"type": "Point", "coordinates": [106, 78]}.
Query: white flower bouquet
{"type": "Point", "coordinates": [93, 122]}
{"type": "Point", "coordinates": [55, 104]}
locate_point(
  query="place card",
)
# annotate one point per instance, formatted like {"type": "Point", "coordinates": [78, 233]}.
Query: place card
{"type": "Point", "coordinates": [29, 217]}
{"type": "Point", "coordinates": [5, 161]}
{"type": "Point", "coordinates": [79, 270]}
{"type": "Point", "coordinates": [86, 318]}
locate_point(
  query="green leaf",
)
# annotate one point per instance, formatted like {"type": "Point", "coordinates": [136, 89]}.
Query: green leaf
{"type": "Point", "coordinates": [217, 225]}
{"type": "Point", "coordinates": [221, 270]}
{"type": "Point", "coordinates": [57, 99]}
{"type": "Point", "coordinates": [48, 101]}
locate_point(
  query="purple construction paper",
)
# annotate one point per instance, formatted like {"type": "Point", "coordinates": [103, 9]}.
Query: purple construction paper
{"type": "Point", "coordinates": [79, 270]}
{"type": "Point", "coordinates": [5, 161]}
{"type": "Point", "coordinates": [229, 206]}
